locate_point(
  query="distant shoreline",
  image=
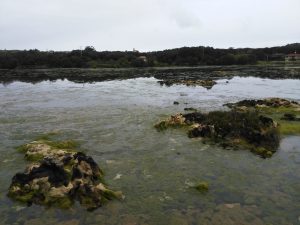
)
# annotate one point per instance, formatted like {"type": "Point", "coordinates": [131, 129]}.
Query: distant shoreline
{"type": "Point", "coordinates": [179, 57]}
{"type": "Point", "coordinates": [82, 75]}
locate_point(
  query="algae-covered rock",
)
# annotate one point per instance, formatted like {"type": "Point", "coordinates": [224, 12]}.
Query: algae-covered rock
{"type": "Point", "coordinates": [208, 84]}
{"type": "Point", "coordinates": [250, 124]}
{"type": "Point", "coordinates": [285, 112]}
{"type": "Point", "coordinates": [174, 121]}
{"type": "Point", "coordinates": [249, 129]}
{"type": "Point", "coordinates": [59, 176]}
{"type": "Point", "coordinates": [268, 102]}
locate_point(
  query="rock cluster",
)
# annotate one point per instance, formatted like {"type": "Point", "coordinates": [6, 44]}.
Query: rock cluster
{"type": "Point", "coordinates": [230, 128]}
{"type": "Point", "coordinates": [58, 176]}
{"type": "Point", "coordinates": [203, 83]}
{"type": "Point", "coordinates": [268, 102]}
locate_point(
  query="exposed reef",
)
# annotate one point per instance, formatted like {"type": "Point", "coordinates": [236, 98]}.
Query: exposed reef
{"type": "Point", "coordinates": [250, 124]}
{"type": "Point", "coordinates": [285, 112]}
{"type": "Point", "coordinates": [208, 84]}
{"type": "Point", "coordinates": [230, 128]}
{"type": "Point", "coordinates": [58, 176]}
{"type": "Point", "coordinates": [268, 102]}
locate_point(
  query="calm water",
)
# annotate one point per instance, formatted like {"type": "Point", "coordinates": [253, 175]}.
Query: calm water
{"type": "Point", "coordinates": [114, 121]}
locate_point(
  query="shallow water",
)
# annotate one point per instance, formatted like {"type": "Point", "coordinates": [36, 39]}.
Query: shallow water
{"type": "Point", "coordinates": [113, 121]}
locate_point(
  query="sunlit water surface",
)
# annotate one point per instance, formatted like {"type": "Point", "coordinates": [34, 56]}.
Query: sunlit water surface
{"type": "Point", "coordinates": [114, 121]}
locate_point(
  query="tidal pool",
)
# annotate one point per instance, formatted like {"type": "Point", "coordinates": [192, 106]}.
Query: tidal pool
{"type": "Point", "coordinates": [113, 121]}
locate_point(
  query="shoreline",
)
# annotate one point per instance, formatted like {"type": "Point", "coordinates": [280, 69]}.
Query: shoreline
{"type": "Point", "coordinates": [183, 73]}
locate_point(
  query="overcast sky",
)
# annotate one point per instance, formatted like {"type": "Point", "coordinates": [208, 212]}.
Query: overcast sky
{"type": "Point", "coordinates": [147, 24]}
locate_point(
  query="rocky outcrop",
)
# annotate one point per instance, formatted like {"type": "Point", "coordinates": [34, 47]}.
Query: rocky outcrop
{"type": "Point", "coordinates": [59, 176]}
{"type": "Point", "coordinates": [256, 132]}
{"type": "Point", "coordinates": [268, 102]}
{"type": "Point", "coordinates": [208, 84]}
{"type": "Point", "coordinates": [286, 112]}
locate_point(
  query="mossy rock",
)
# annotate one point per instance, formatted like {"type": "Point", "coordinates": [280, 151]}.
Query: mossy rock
{"type": "Point", "coordinates": [257, 124]}
{"type": "Point", "coordinates": [253, 130]}
{"type": "Point", "coordinates": [208, 83]}
{"type": "Point", "coordinates": [59, 176]}
{"type": "Point", "coordinates": [285, 112]}
{"type": "Point", "coordinates": [173, 121]}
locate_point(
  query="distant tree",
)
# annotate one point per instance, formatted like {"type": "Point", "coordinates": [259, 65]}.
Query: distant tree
{"type": "Point", "coordinates": [228, 59]}
{"type": "Point", "coordinates": [242, 59]}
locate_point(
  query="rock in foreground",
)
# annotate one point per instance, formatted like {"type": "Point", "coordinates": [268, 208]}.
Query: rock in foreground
{"type": "Point", "coordinates": [59, 176]}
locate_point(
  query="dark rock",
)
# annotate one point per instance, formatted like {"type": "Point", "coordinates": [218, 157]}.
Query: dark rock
{"type": "Point", "coordinates": [290, 117]}
{"type": "Point", "coordinates": [202, 131]}
{"type": "Point", "coordinates": [196, 117]}
{"type": "Point", "coordinates": [267, 121]}
{"type": "Point", "coordinates": [268, 102]}
{"type": "Point", "coordinates": [207, 83]}
{"type": "Point", "coordinates": [256, 132]}
{"type": "Point", "coordinates": [176, 103]}
{"type": "Point", "coordinates": [190, 109]}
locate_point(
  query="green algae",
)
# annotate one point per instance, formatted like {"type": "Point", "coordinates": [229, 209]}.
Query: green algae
{"type": "Point", "coordinates": [202, 187]}
{"type": "Point", "coordinates": [277, 109]}
{"type": "Point", "coordinates": [68, 144]}
{"type": "Point", "coordinates": [34, 158]}
{"type": "Point", "coordinates": [62, 203]}
{"type": "Point", "coordinates": [23, 198]}
{"type": "Point", "coordinates": [286, 127]}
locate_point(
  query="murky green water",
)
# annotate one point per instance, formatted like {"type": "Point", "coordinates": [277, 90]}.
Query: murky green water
{"type": "Point", "coordinates": [114, 121]}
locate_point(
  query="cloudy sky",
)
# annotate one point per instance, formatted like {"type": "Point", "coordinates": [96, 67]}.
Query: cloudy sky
{"type": "Point", "coordinates": [147, 24]}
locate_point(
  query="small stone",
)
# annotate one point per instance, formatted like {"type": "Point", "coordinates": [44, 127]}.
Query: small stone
{"type": "Point", "coordinates": [118, 176]}
{"type": "Point", "coordinates": [231, 206]}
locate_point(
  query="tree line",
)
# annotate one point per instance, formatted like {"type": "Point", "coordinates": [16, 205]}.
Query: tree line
{"type": "Point", "coordinates": [186, 56]}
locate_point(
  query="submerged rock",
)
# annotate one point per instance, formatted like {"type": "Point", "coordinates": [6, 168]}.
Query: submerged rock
{"type": "Point", "coordinates": [203, 83]}
{"type": "Point", "coordinates": [230, 128]}
{"type": "Point", "coordinates": [59, 176]}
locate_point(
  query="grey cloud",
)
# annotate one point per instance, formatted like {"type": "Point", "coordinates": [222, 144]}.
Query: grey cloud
{"type": "Point", "coordinates": [147, 24]}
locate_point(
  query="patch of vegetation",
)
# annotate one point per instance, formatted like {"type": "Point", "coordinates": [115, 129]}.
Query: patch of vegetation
{"type": "Point", "coordinates": [68, 144]}
{"type": "Point", "coordinates": [186, 56]}
{"type": "Point", "coordinates": [202, 187]}
{"type": "Point", "coordinates": [286, 113]}
{"type": "Point", "coordinates": [249, 129]}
